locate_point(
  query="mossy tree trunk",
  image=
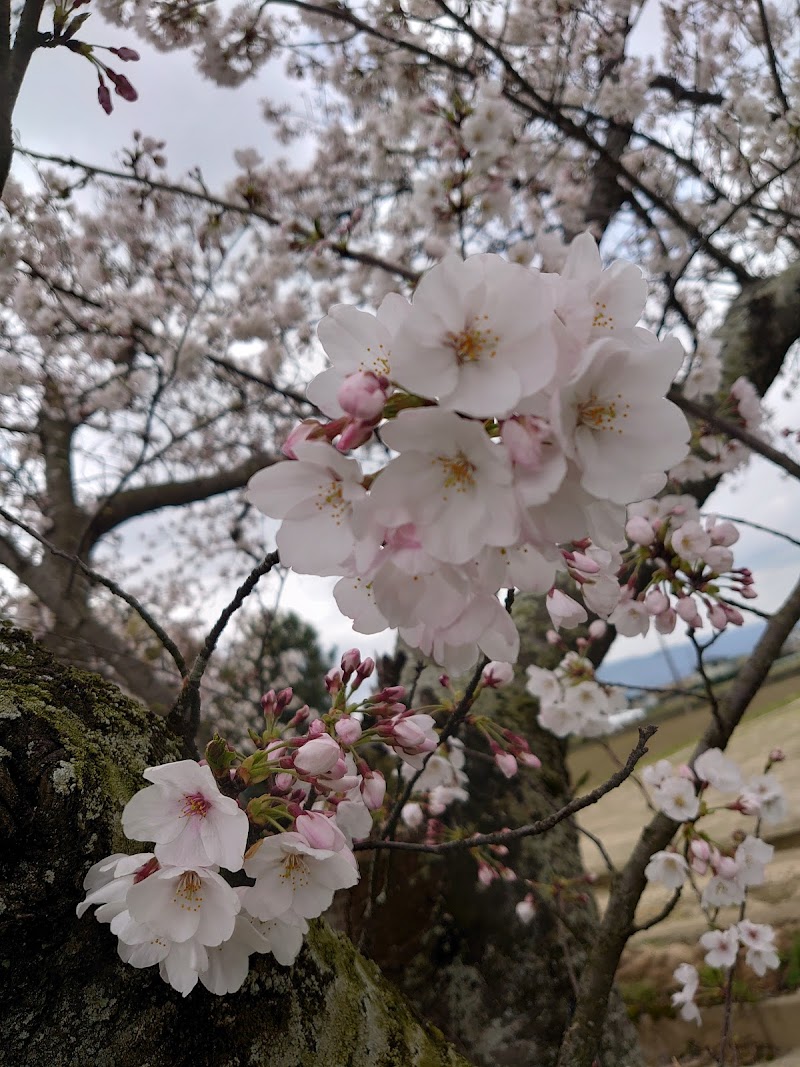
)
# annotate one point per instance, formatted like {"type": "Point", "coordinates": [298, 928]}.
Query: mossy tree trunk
{"type": "Point", "coordinates": [72, 750]}
{"type": "Point", "coordinates": [502, 992]}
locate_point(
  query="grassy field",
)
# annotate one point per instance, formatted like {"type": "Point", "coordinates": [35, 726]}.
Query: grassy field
{"type": "Point", "coordinates": [675, 731]}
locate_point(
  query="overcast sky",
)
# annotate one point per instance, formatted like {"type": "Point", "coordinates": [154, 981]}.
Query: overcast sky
{"type": "Point", "coordinates": [58, 113]}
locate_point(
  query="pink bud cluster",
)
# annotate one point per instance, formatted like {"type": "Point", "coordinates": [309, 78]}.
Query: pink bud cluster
{"type": "Point", "coordinates": [691, 569]}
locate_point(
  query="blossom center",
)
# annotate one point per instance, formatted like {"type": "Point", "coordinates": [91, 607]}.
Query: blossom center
{"type": "Point", "coordinates": [602, 414]}
{"type": "Point", "coordinates": [602, 319]}
{"type": "Point", "coordinates": [295, 871]}
{"type": "Point", "coordinates": [195, 804]}
{"type": "Point", "coordinates": [380, 364]}
{"type": "Point", "coordinates": [187, 894]}
{"type": "Point", "coordinates": [331, 496]}
{"type": "Point", "coordinates": [459, 472]}
{"type": "Point", "coordinates": [473, 342]}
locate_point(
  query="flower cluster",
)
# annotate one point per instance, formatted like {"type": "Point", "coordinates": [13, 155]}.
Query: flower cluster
{"type": "Point", "coordinates": [572, 701]}
{"type": "Point", "coordinates": [681, 794]}
{"type": "Point", "coordinates": [722, 948]}
{"type": "Point", "coordinates": [690, 566]}
{"type": "Point", "coordinates": [299, 801]}
{"type": "Point", "coordinates": [173, 908]}
{"type": "Point", "coordinates": [524, 409]}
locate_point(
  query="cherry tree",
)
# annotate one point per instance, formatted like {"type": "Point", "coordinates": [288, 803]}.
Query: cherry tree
{"type": "Point", "coordinates": [158, 337]}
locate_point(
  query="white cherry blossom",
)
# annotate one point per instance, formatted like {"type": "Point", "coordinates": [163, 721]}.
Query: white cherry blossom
{"type": "Point", "coordinates": [192, 823]}
{"type": "Point", "coordinates": [293, 880]}
{"type": "Point", "coordinates": [478, 337]}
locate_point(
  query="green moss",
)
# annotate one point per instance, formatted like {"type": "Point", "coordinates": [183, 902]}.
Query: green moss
{"type": "Point", "coordinates": [77, 751]}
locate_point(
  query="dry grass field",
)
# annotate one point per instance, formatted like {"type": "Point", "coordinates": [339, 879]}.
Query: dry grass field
{"type": "Point", "coordinates": [772, 721]}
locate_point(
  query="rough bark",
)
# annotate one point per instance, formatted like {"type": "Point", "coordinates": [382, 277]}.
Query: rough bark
{"type": "Point", "coordinates": [72, 749]}
{"type": "Point", "coordinates": [501, 991]}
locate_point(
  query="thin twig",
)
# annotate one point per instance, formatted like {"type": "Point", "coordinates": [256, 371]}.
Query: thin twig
{"type": "Point", "coordinates": [667, 910]}
{"type": "Point", "coordinates": [701, 669]}
{"type": "Point", "coordinates": [184, 718]}
{"type": "Point", "coordinates": [726, 426]}
{"type": "Point", "coordinates": [755, 526]}
{"type": "Point", "coordinates": [541, 826]}
{"type": "Point", "coordinates": [100, 579]}
{"type": "Point", "coordinates": [457, 716]}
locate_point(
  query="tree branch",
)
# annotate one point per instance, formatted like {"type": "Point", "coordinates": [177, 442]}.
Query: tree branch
{"type": "Point", "coordinates": [13, 66]}
{"type": "Point", "coordinates": [731, 429]}
{"type": "Point", "coordinates": [541, 826]}
{"type": "Point", "coordinates": [184, 718]}
{"type": "Point", "coordinates": [100, 579]}
{"type": "Point", "coordinates": [581, 1041]}
{"type": "Point", "coordinates": [148, 498]}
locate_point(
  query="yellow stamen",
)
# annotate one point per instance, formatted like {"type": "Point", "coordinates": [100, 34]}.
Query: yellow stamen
{"type": "Point", "coordinates": [474, 342]}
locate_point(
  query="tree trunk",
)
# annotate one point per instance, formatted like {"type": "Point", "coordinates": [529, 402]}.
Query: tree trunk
{"type": "Point", "coordinates": [72, 750]}
{"type": "Point", "coordinates": [502, 992]}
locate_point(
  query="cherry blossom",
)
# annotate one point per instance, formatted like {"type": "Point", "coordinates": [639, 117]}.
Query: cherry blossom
{"type": "Point", "coordinates": [192, 823]}
{"type": "Point", "coordinates": [294, 880]}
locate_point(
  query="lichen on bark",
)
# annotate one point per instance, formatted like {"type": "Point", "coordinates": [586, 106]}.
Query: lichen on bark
{"type": "Point", "coordinates": [72, 750]}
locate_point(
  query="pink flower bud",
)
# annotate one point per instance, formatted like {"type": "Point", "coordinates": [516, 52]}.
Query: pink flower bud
{"type": "Point", "coordinates": [584, 564]}
{"type": "Point", "coordinates": [300, 716]}
{"type": "Point", "coordinates": [686, 608]}
{"type": "Point", "coordinates": [127, 55]}
{"type": "Point", "coordinates": [269, 703]}
{"type": "Point", "coordinates": [528, 759]}
{"type": "Point", "coordinates": [656, 602]}
{"type": "Point", "coordinates": [364, 670]}
{"type": "Point", "coordinates": [734, 615]}
{"type": "Point", "coordinates": [351, 660]}
{"type": "Point", "coordinates": [104, 96]}
{"type": "Point", "coordinates": [523, 436]}
{"type": "Point", "coordinates": [318, 756]}
{"type": "Point", "coordinates": [390, 694]}
{"type": "Point", "coordinates": [320, 831]}
{"type": "Point", "coordinates": [597, 629]}
{"type": "Point", "coordinates": [749, 593]}
{"type": "Point", "coordinates": [496, 674]}
{"type": "Point", "coordinates": [373, 790]}
{"type": "Point", "coordinates": [777, 755]}
{"type": "Point", "coordinates": [354, 434]}
{"type": "Point", "coordinates": [444, 681]}
{"type": "Point", "coordinates": [700, 853]}
{"type": "Point", "coordinates": [283, 782]}
{"type": "Point", "coordinates": [284, 698]}
{"type": "Point", "coordinates": [717, 617]}
{"type": "Point", "coordinates": [639, 530]}
{"type": "Point", "coordinates": [362, 395]}
{"type": "Point", "coordinates": [666, 621]}
{"type": "Point", "coordinates": [486, 874]}
{"type": "Point", "coordinates": [307, 430]}
{"type": "Point", "coordinates": [333, 681]}
{"type": "Point", "coordinates": [348, 730]}
{"type": "Point", "coordinates": [122, 87]}
{"type": "Point", "coordinates": [506, 763]}
{"type": "Point", "coordinates": [526, 909]}
{"type": "Point", "coordinates": [727, 867]}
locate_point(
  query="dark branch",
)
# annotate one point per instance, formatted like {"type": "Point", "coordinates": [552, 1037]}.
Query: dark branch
{"type": "Point", "coordinates": [541, 826]}
{"type": "Point", "coordinates": [147, 498]}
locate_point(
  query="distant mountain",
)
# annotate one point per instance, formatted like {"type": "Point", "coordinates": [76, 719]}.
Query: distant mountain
{"type": "Point", "coordinates": [654, 668]}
